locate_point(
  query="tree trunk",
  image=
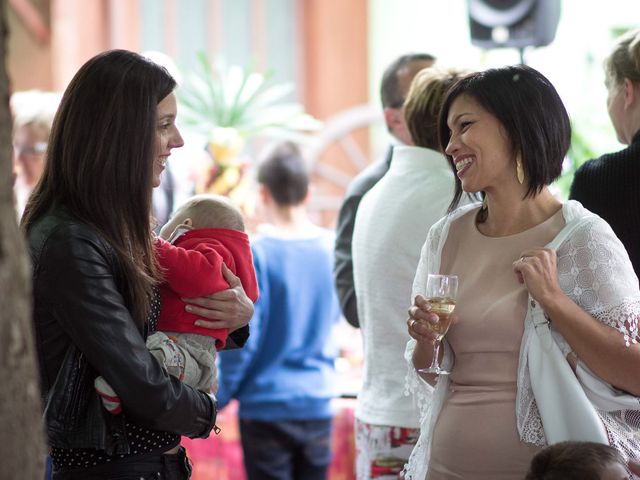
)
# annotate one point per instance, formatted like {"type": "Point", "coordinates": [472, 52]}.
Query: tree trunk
{"type": "Point", "coordinates": [21, 428]}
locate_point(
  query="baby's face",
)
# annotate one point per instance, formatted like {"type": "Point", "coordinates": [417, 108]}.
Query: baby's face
{"type": "Point", "coordinates": [614, 471]}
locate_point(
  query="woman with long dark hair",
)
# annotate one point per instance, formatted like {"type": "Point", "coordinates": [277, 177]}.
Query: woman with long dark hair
{"type": "Point", "coordinates": [95, 278]}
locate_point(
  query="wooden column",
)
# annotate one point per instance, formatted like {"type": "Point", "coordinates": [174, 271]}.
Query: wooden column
{"type": "Point", "coordinates": [124, 24]}
{"type": "Point", "coordinates": [79, 31]}
{"type": "Point", "coordinates": [334, 67]}
{"type": "Point", "coordinates": [334, 58]}
{"type": "Point", "coordinates": [28, 44]}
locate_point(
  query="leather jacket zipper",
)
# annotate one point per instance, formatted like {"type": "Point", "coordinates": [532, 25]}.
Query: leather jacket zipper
{"type": "Point", "coordinates": [77, 389]}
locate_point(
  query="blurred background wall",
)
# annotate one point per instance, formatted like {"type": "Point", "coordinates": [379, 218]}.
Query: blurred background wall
{"type": "Point", "coordinates": [333, 51]}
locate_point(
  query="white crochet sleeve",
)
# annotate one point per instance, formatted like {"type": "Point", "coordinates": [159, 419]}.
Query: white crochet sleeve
{"type": "Point", "coordinates": [428, 399]}
{"type": "Point", "coordinates": [414, 385]}
{"type": "Point", "coordinates": [595, 271]}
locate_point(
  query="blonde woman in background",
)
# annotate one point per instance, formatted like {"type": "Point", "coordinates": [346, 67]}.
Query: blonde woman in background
{"type": "Point", "coordinates": [610, 185]}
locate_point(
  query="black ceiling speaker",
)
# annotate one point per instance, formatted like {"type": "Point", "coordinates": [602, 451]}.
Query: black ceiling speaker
{"type": "Point", "coordinates": [513, 23]}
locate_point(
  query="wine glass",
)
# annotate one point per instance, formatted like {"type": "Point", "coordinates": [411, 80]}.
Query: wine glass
{"type": "Point", "coordinates": [441, 292]}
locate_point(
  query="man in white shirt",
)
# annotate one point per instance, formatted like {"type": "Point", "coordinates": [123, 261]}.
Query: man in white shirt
{"type": "Point", "coordinates": [391, 226]}
{"type": "Point", "coordinates": [393, 90]}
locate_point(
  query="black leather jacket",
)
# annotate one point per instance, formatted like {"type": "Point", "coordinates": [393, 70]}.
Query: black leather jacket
{"type": "Point", "coordinates": [83, 329]}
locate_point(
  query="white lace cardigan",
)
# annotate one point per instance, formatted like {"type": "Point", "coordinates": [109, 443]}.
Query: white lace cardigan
{"type": "Point", "coordinates": [595, 272]}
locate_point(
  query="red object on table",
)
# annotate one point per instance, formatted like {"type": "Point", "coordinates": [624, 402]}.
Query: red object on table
{"type": "Point", "coordinates": [220, 456]}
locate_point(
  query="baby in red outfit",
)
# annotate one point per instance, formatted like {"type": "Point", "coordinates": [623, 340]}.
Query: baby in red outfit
{"type": "Point", "coordinates": [204, 233]}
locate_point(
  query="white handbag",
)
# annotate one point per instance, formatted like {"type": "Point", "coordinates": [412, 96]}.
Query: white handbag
{"type": "Point", "coordinates": [605, 397]}
{"type": "Point", "coordinates": [565, 410]}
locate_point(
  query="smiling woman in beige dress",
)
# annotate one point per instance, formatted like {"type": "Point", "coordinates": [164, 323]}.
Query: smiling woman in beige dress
{"type": "Point", "coordinates": [506, 133]}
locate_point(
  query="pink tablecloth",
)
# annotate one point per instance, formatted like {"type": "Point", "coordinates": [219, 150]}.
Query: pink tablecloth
{"type": "Point", "coordinates": [219, 457]}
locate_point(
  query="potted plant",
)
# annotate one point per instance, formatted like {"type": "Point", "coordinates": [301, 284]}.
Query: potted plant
{"type": "Point", "coordinates": [230, 105]}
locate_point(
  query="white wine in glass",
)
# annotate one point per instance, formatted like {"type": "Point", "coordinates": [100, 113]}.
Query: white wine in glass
{"type": "Point", "coordinates": [441, 292]}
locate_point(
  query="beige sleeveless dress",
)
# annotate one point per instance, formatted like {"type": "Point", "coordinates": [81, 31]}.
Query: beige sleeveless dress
{"type": "Point", "coordinates": [476, 436]}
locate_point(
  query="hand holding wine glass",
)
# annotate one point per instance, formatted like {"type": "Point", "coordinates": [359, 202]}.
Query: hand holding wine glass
{"type": "Point", "coordinates": [441, 292]}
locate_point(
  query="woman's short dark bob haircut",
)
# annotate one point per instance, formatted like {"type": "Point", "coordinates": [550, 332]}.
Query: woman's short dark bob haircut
{"type": "Point", "coordinates": [531, 112]}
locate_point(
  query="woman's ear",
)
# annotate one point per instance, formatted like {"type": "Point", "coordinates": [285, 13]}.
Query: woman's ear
{"type": "Point", "coordinates": [630, 92]}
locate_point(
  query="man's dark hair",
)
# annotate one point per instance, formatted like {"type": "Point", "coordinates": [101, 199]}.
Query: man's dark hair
{"type": "Point", "coordinates": [284, 173]}
{"type": "Point", "coordinates": [572, 461]}
{"type": "Point", "coordinates": [531, 112]}
{"type": "Point", "coordinates": [390, 93]}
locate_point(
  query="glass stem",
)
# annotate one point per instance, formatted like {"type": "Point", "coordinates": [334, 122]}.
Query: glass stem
{"type": "Point", "coordinates": [435, 364]}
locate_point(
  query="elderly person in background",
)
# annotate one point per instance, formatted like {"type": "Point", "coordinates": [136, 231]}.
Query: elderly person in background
{"type": "Point", "coordinates": [33, 112]}
{"type": "Point", "coordinates": [610, 185]}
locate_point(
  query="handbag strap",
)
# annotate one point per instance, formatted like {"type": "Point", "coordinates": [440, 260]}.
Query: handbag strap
{"type": "Point", "coordinates": [580, 421]}
{"type": "Point", "coordinates": [539, 318]}
{"type": "Point", "coordinates": [568, 230]}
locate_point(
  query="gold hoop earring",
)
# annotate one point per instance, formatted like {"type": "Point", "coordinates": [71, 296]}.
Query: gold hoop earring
{"type": "Point", "coordinates": [519, 169]}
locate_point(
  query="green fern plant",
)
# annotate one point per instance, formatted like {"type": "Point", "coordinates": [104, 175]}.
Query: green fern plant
{"type": "Point", "coordinates": [230, 105]}
{"type": "Point", "coordinates": [249, 102]}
